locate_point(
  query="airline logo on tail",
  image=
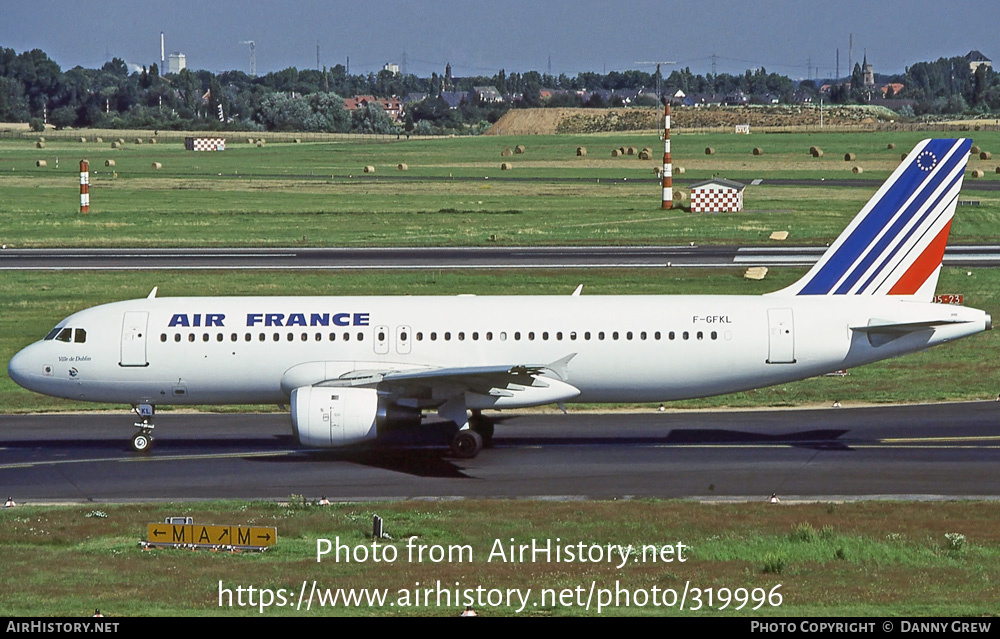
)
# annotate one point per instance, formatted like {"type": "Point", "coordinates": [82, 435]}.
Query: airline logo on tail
{"type": "Point", "coordinates": [896, 243]}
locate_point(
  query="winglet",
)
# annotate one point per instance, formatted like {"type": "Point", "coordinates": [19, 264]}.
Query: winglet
{"type": "Point", "coordinates": [560, 367]}
{"type": "Point", "coordinates": [894, 246]}
{"type": "Point", "coordinates": [579, 289]}
{"type": "Point", "coordinates": [152, 293]}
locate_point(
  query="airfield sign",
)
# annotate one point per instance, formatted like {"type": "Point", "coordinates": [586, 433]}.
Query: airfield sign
{"type": "Point", "coordinates": [210, 536]}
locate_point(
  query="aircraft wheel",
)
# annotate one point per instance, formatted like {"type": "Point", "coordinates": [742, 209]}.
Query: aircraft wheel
{"type": "Point", "coordinates": [142, 442]}
{"type": "Point", "coordinates": [484, 428]}
{"type": "Point", "coordinates": [467, 444]}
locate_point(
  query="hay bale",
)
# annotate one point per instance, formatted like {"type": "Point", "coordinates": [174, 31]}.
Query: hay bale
{"type": "Point", "coordinates": [622, 150]}
{"type": "Point", "coordinates": [632, 150]}
{"type": "Point", "coordinates": [615, 153]}
{"type": "Point", "coordinates": [902, 156]}
{"type": "Point", "coordinates": [369, 169]}
{"type": "Point", "coordinates": [402, 167]}
{"type": "Point", "coordinates": [109, 163]}
{"type": "Point", "coordinates": [41, 163]}
{"type": "Point", "coordinates": [985, 155]}
{"type": "Point", "coordinates": [779, 236]}
{"type": "Point", "coordinates": [506, 166]}
{"type": "Point", "coordinates": [890, 146]}
{"type": "Point", "coordinates": [519, 149]}
{"type": "Point", "coordinates": [260, 143]}
{"type": "Point", "coordinates": [978, 173]}
{"type": "Point", "coordinates": [152, 140]}
{"type": "Point", "coordinates": [138, 140]}
{"type": "Point", "coordinates": [40, 145]}
{"type": "Point", "coordinates": [998, 169]}
{"type": "Point", "coordinates": [815, 151]}
{"type": "Point", "coordinates": [680, 196]}
{"type": "Point", "coordinates": [251, 141]}
{"type": "Point", "coordinates": [83, 140]}
{"type": "Point", "coordinates": [157, 165]}
{"type": "Point", "coordinates": [850, 157]}
{"type": "Point", "coordinates": [974, 150]}
{"type": "Point", "coordinates": [41, 139]}
{"type": "Point", "coordinates": [121, 140]}
{"type": "Point", "coordinates": [99, 140]}
{"type": "Point", "coordinates": [506, 153]}
{"type": "Point", "coordinates": [679, 170]}
{"type": "Point", "coordinates": [709, 151]}
{"type": "Point", "coordinates": [298, 140]}
{"type": "Point", "coordinates": [644, 155]}
{"type": "Point", "coordinates": [647, 150]}
{"type": "Point", "coordinates": [116, 145]}
{"type": "Point", "coordinates": [581, 151]}
{"type": "Point", "coordinates": [857, 170]}
{"type": "Point", "coordinates": [758, 151]}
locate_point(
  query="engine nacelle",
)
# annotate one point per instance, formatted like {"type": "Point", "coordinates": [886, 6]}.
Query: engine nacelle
{"type": "Point", "coordinates": [330, 416]}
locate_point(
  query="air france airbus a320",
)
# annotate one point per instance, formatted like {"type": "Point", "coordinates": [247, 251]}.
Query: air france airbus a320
{"type": "Point", "coordinates": [353, 367]}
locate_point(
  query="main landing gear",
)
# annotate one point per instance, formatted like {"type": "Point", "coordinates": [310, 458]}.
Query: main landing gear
{"type": "Point", "coordinates": [142, 442]}
{"type": "Point", "coordinates": [469, 441]}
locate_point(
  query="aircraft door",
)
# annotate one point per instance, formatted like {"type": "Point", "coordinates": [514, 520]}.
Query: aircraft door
{"type": "Point", "coordinates": [381, 340]}
{"type": "Point", "coordinates": [403, 340]}
{"type": "Point", "coordinates": [133, 351]}
{"type": "Point", "coordinates": [781, 336]}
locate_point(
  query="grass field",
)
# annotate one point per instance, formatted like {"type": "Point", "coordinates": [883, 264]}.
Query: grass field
{"type": "Point", "coordinates": [857, 559]}
{"type": "Point", "coordinates": [454, 192]}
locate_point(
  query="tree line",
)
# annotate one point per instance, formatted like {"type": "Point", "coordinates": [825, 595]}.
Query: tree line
{"type": "Point", "coordinates": [34, 88]}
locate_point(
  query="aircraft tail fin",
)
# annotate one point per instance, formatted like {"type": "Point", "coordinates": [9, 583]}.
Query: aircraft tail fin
{"type": "Point", "coordinates": [895, 245]}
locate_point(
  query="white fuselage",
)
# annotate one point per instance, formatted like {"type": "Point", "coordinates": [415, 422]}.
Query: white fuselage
{"type": "Point", "coordinates": [236, 350]}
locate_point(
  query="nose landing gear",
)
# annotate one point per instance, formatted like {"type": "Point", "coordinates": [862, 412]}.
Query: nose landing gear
{"type": "Point", "coordinates": [142, 442]}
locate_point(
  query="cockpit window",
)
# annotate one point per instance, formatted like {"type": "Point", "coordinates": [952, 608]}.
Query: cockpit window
{"type": "Point", "coordinates": [80, 336]}
{"type": "Point", "coordinates": [65, 335]}
{"type": "Point", "coordinates": [61, 334]}
{"type": "Point", "coordinates": [52, 334]}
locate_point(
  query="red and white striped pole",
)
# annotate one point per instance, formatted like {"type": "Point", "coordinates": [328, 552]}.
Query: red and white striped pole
{"type": "Point", "coordinates": [84, 186]}
{"type": "Point", "coordinates": [668, 179]}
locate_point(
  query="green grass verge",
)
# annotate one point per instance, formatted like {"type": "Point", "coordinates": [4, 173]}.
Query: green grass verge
{"type": "Point", "coordinates": [453, 193]}
{"type": "Point", "coordinates": [855, 559]}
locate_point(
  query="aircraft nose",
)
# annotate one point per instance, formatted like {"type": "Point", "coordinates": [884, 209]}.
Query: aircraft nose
{"type": "Point", "coordinates": [23, 368]}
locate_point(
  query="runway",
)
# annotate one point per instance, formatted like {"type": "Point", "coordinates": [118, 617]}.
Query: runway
{"type": "Point", "coordinates": [938, 451]}
{"type": "Point", "coordinates": [441, 258]}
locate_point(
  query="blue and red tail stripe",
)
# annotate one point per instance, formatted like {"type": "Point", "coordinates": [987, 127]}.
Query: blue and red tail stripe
{"type": "Point", "coordinates": [896, 243]}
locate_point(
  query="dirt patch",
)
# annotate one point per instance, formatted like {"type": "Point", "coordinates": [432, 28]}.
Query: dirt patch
{"type": "Point", "coordinates": [568, 120]}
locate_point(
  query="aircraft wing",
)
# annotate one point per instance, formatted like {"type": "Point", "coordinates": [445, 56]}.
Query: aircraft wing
{"type": "Point", "coordinates": [886, 326]}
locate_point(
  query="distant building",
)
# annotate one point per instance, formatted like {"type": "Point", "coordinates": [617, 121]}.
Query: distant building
{"type": "Point", "coordinates": [488, 94]}
{"type": "Point", "coordinates": [868, 73]}
{"type": "Point", "coordinates": [176, 62]}
{"type": "Point", "coordinates": [975, 59]}
{"type": "Point", "coordinates": [391, 68]}
{"type": "Point", "coordinates": [716, 196]}
{"type": "Point", "coordinates": [392, 106]}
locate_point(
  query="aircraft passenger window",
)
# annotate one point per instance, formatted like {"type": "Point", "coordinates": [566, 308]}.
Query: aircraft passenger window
{"type": "Point", "coordinates": [420, 336]}
{"type": "Point", "coordinates": [434, 336]}
{"type": "Point", "coordinates": [177, 337]}
{"type": "Point", "coordinates": [291, 337]}
{"type": "Point", "coordinates": [381, 336]}
{"type": "Point", "coordinates": [572, 335]}
{"type": "Point", "coordinates": [219, 337]}
{"type": "Point", "coordinates": [685, 335]}
{"type": "Point", "coordinates": [65, 335]}
{"type": "Point", "coordinates": [600, 336]}
{"type": "Point", "coordinates": [319, 337]}
{"type": "Point", "coordinates": [489, 336]}
{"type": "Point", "coordinates": [52, 334]}
{"type": "Point", "coordinates": [559, 335]}
{"type": "Point", "coordinates": [447, 336]}
{"type": "Point", "coordinates": [402, 336]}
{"type": "Point", "coordinates": [642, 335]}
{"type": "Point", "coordinates": [614, 335]}
{"type": "Point", "coordinates": [672, 335]}
{"type": "Point", "coordinates": [204, 337]}
{"type": "Point", "coordinates": [80, 336]}
{"type": "Point", "coordinates": [190, 337]}
{"type": "Point", "coordinates": [333, 337]}
{"type": "Point", "coordinates": [233, 337]}
{"type": "Point", "coordinates": [517, 336]}
{"type": "Point", "coordinates": [545, 335]}
{"type": "Point", "coordinates": [715, 335]}
{"type": "Point", "coordinates": [475, 336]}
{"type": "Point", "coordinates": [531, 335]}
{"type": "Point", "coordinates": [586, 336]}
{"type": "Point", "coordinates": [277, 337]}
{"type": "Point", "coordinates": [347, 337]}
{"type": "Point", "coordinates": [163, 337]}
{"type": "Point", "coordinates": [262, 337]}
{"type": "Point", "coordinates": [461, 335]}
{"type": "Point", "coordinates": [701, 335]}
{"type": "Point", "coordinates": [656, 335]}
{"type": "Point", "coordinates": [628, 335]}
{"type": "Point", "coordinates": [503, 336]}
{"type": "Point", "coordinates": [361, 337]}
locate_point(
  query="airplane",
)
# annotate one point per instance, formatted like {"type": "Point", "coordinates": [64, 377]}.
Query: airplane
{"type": "Point", "coordinates": [355, 368]}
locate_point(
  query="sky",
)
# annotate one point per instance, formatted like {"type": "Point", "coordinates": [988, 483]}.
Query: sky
{"type": "Point", "coordinates": [797, 38]}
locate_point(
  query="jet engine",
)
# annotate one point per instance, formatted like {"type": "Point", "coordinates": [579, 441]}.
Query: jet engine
{"type": "Point", "coordinates": [330, 416]}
